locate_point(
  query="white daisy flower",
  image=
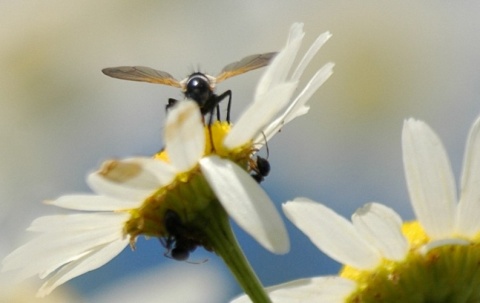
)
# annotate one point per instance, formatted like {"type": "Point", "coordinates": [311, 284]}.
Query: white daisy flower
{"type": "Point", "coordinates": [180, 195]}
{"type": "Point", "coordinates": [69, 245]}
{"type": "Point", "coordinates": [242, 198]}
{"type": "Point", "coordinates": [432, 259]}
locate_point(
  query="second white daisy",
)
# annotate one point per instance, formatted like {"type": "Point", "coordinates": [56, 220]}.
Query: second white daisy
{"type": "Point", "coordinates": [433, 259]}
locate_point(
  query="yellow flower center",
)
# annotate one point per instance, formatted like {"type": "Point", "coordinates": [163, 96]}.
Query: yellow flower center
{"type": "Point", "coordinates": [215, 134]}
{"type": "Point", "coordinates": [189, 193]}
{"type": "Point", "coordinates": [449, 273]}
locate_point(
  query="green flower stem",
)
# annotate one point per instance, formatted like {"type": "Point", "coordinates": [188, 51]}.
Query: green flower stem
{"type": "Point", "coordinates": [224, 243]}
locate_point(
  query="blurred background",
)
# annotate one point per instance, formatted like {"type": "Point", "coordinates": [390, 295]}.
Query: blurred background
{"type": "Point", "coordinates": [61, 117]}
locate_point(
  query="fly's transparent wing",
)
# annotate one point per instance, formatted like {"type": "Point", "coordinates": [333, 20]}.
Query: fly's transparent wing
{"type": "Point", "coordinates": [246, 64]}
{"type": "Point", "coordinates": [142, 74]}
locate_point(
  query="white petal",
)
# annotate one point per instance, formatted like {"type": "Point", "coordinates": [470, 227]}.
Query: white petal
{"type": "Point", "coordinates": [297, 107]}
{"type": "Point", "coordinates": [164, 172]}
{"type": "Point", "coordinates": [331, 233]}
{"type": "Point", "coordinates": [247, 203]}
{"type": "Point", "coordinates": [381, 227]}
{"type": "Point", "coordinates": [312, 86]}
{"type": "Point", "coordinates": [76, 222]}
{"type": "Point", "coordinates": [92, 203]}
{"type": "Point", "coordinates": [124, 179]}
{"type": "Point", "coordinates": [429, 179]}
{"type": "Point", "coordinates": [425, 249]}
{"type": "Point", "coordinates": [259, 114]}
{"type": "Point", "coordinates": [278, 69]}
{"type": "Point", "coordinates": [468, 223]}
{"type": "Point", "coordinates": [312, 51]}
{"type": "Point", "coordinates": [55, 248]}
{"type": "Point", "coordinates": [321, 289]}
{"type": "Point", "coordinates": [184, 135]}
{"type": "Point", "coordinates": [93, 260]}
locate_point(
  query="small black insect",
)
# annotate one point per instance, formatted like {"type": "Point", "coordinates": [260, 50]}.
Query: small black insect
{"type": "Point", "coordinates": [198, 86]}
{"type": "Point", "coordinates": [261, 169]}
{"type": "Point", "coordinates": [178, 244]}
{"type": "Point", "coordinates": [182, 249]}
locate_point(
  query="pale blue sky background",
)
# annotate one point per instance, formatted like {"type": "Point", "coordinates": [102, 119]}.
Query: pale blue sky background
{"type": "Point", "coordinates": [61, 117]}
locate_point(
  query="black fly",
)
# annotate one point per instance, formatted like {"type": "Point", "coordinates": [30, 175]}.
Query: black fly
{"type": "Point", "coordinates": [198, 86]}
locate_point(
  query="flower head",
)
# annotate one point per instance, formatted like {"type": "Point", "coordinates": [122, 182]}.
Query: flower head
{"type": "Point", "coordinates": [432, 259]}
{"type": "Point", "coordinates": [184, 193]}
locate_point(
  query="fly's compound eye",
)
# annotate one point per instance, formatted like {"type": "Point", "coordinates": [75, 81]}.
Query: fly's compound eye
{"type": "Point", "coordinates": [198, 89]}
